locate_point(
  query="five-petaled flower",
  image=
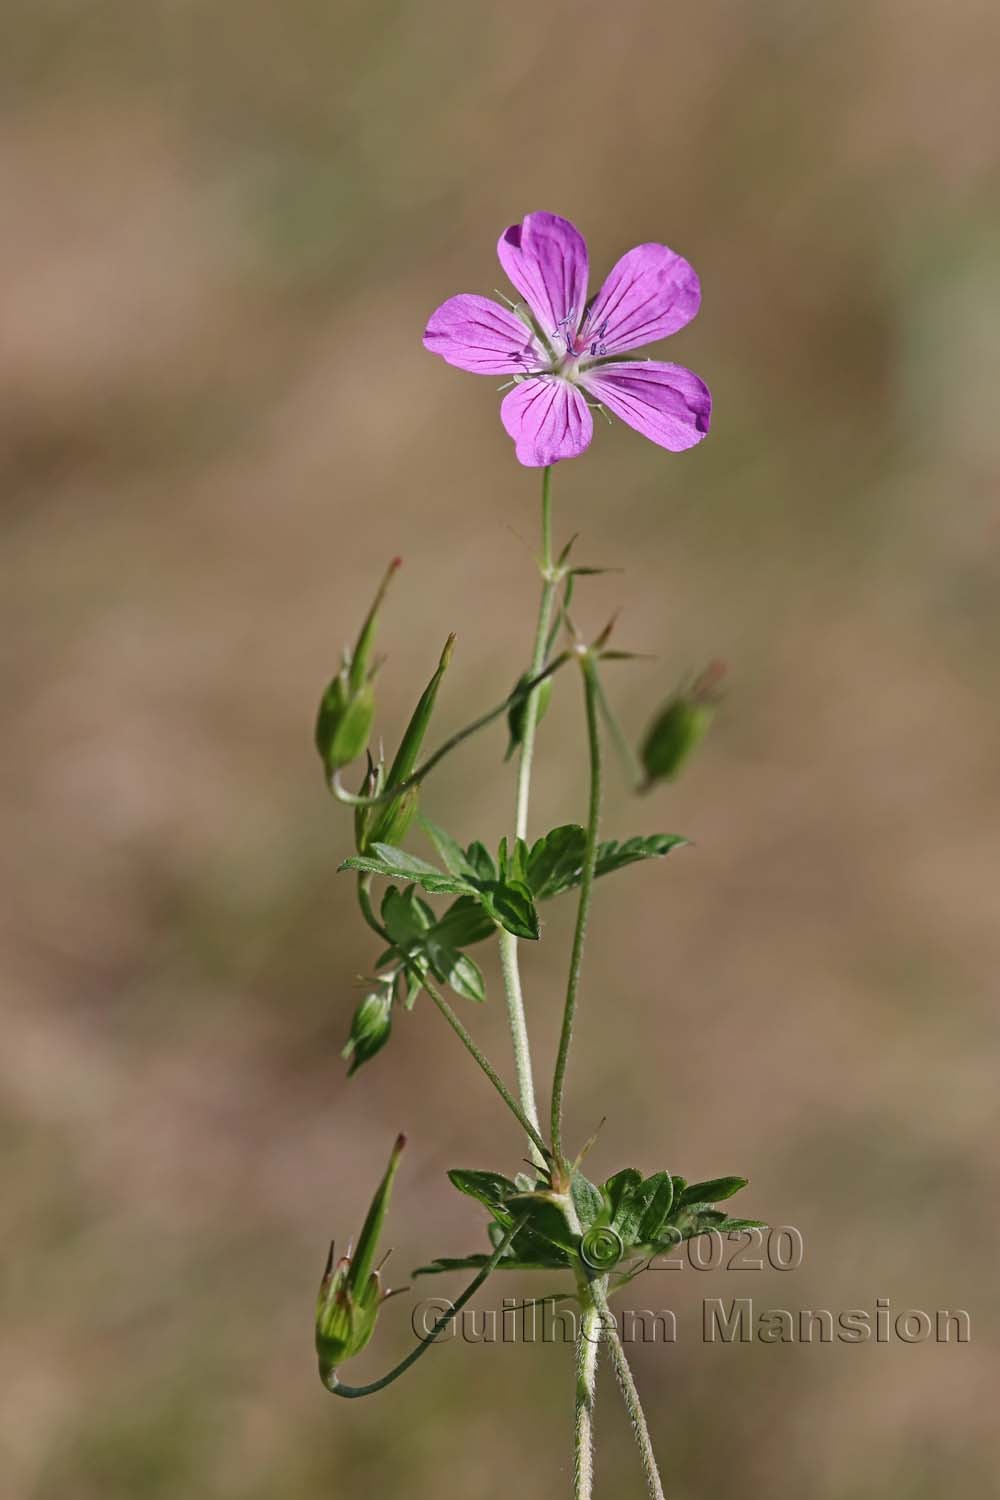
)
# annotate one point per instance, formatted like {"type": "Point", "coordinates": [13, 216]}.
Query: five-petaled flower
{"type": "Point", "coordinates": [560, 349]}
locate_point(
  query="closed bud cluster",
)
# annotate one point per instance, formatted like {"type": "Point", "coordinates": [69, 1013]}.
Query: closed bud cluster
{"type": "Point", "coordinates": [351, 1292]}
{"type": "Point", "coordinates": [347, 708]}
{"type": "Point", "coordinates": [679, 726]}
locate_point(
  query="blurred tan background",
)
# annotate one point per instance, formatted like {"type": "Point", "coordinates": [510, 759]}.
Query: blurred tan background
{"type": "Point", "coordinates": [224, 227]}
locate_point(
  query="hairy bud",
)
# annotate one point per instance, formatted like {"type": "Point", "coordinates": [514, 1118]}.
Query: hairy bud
{"type": "Point", "coordinates": [351, 1293]}
{"type": "Point", "coordinates": [370, 1028]}
{"type": "Point", "coordinates": [679, 726]}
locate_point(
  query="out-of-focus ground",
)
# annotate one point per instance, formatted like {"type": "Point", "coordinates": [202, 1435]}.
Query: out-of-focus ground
{"type": "Point", "coordinates": [224, 226]}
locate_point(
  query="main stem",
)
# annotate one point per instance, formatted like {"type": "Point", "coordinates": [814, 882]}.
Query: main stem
{"type": "Point", "coordinates": [627, 1385]}
{"type": "Point", "coordinates": [583, 910]}
{"type": "Point", "coordinates": [587, 1340]}
{"type": "Point", "coordinates": [508, 942]}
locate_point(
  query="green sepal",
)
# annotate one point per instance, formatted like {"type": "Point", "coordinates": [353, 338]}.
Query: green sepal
{"type": "Point", "coordinates": [343, 723]}
{"type": "Point", "coordinates": [413, 737]}
{"type": "Point", "coordinates": [347, 708]}
{"type": "Point", "coordinates": [351, 1293]}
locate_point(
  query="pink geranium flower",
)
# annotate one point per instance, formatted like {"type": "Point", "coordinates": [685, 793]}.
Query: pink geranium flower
{"type": "Point", "coordinates": [561, 350]}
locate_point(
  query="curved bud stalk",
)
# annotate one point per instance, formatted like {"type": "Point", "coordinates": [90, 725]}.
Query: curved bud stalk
{"type": "Point", "coordinates": [347, 708]}
{"type": "Point", "coordinates": [351, 1292]}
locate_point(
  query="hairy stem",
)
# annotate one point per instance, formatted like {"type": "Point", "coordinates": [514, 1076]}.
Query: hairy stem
{"type": "Point", "coordinates": [509, 962]}
{"type": "Point", "coordinates": [587, 1341]}
{"type": "Point", "coordinates": [583, 909]}
{"type": "Point", "coordinates": [627, 1385]}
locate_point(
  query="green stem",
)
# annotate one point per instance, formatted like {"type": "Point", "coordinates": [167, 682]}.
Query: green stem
{"type": "Point", "coordinates": [587, 1341]}
{"type": "Point", "coordinates": [351, 1392]}
{"type": "Point", "coordinates": [529, 1126]}
{"type": "Point", "coordinates": [627, 1385]}
{"type": "Point", "coordinates": [509, 962]}
{"type": "Point", "coordinates": [583, 909]}
{"type": "Point", "coordinates": [550, 582]}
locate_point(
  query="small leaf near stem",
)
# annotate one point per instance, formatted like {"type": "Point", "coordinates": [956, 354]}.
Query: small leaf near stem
{"type": "Point", "coordinates": [583, 909]}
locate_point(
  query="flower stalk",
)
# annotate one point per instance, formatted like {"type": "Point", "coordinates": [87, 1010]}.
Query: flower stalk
{"type": "Point", "coordinates": [509, 959]}
{"type": "Point", "coordinates": [590, 688]}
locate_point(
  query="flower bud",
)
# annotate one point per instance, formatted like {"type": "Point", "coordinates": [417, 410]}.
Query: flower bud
{"type": "Point", "coordinates": [679, 726]}
{"type": "Point", "coordinates": [370, 1028]}
{"type": "Point", "coordinates": [389, 820]}
{"type": "Point", "coordinates": [350, 1293]}
{"type": "Point", "coordinates": [347, 708]}
{"type": "Point", "coordinates": [393, 818]}
{"type": "Point", "coordinates": [517, 711]}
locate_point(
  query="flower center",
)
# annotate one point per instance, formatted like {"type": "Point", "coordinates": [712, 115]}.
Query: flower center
{"type": "Point", "coordinates": [587, 341]}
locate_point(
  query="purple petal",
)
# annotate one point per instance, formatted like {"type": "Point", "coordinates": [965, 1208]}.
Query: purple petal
{"type": "Point", "coordinates": [649, 294]}
{"type": "Point", "coordinates": [666, 403]}
{"type": "Point", "coordinates": [548, 419]}
{"type": "Point", "coordinates": [479, 335]}
{"type": "Point", "coordinates": [545, 258]}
